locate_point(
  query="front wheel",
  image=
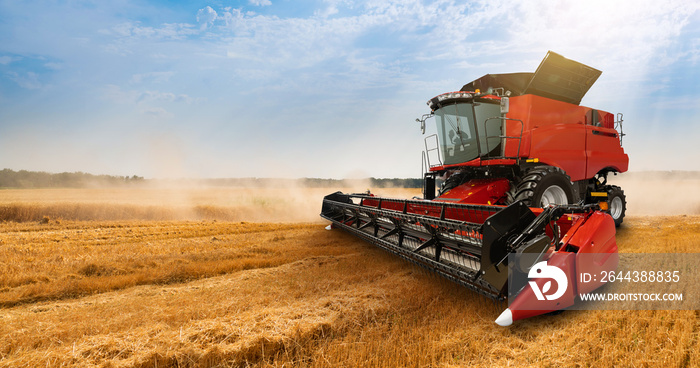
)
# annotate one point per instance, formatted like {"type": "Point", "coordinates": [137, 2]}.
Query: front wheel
{"type": "Point", "coordinates": [553, 195]}
{"type": "Point", "coordinates": [617, 203]}
{"type": "Point", "coordinates": [544, 186]}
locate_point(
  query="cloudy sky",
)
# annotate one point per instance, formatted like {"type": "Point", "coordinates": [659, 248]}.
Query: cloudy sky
{"type": "Point", "coordinates": [316, 88]}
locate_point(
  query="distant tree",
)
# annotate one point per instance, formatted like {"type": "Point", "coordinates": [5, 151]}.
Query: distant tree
{"type": "Point", "coordinates": [33, 179]}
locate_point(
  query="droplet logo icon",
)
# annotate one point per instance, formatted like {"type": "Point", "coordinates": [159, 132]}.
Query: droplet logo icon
{"type": "Point", "coordinates": [542, 270]}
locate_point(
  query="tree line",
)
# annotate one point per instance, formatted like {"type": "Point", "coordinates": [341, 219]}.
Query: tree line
{"type": "Point", "coordinates": [39, 179]}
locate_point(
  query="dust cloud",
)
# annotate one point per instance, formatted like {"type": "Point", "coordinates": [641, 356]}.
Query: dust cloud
{"type": "Point", "coordinates": [246, 200]}
{"type": "Point", "coordinates": [284, 200]}
{"type": "Point", "coordinates": [259, 200]}
{"type": "Point", "coordinates": [660, 192]}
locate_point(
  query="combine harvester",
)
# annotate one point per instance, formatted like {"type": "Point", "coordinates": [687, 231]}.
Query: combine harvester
{"type": "Point", "coordinates": [524, 188]}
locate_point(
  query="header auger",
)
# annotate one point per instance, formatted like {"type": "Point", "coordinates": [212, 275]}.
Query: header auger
{"type": "Point", "coordinates": [524, 173]}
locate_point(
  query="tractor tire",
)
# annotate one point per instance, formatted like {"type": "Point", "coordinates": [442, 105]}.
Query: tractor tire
{"type": "Point", "coordinates": [617, 203]}
{"type": "Point", "coordinates": [543, 186]}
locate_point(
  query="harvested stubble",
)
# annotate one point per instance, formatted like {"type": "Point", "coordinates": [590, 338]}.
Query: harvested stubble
{"type": "Point", "coordinates": [231, 294]}
{"type": "Point", "coordinates": [56, 261]}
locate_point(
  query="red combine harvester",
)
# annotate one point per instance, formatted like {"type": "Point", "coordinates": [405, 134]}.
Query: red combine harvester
{"type": "Point", "coordinates": [524, 181]}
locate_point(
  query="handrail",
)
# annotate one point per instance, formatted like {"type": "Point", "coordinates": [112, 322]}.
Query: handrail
{"type": "Point", "coordinates": [436, 148]}
{"type": "Point", "coordinates": [503, 138]}
{"type": "Point", "coordinates": [618, 126]}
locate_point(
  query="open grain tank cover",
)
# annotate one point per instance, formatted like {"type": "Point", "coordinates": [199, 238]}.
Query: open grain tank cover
{"type": "Point", "coordinates": [557, 78]}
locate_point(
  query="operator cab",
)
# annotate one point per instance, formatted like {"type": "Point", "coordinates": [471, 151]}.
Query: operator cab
{"type": "Point", "coordinates": [469, 126]}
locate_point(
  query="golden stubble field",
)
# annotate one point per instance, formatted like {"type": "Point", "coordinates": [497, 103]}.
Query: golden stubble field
{"type": "Point", "coordinates": [234, 277]}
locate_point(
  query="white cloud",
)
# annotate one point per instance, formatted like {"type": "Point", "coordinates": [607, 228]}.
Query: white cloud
{"type": "Point", "coordinates": [415, 31]}
{"type": "Point", "coordinates": [116, 94]}
{"type": "Point", "coordinates": [206, 17]}
{"type": "Point", "coordinates": [332, 7]}
{"type": "Point", "coordinates": [151, 96]}
{"type": "Point", "coordinates": [28, 80]}
{"type": "Point", "coordinates": [5, 60]}
{"type": "Point", "coordinates": [623, 35]}
{"type": "Point", "coordinates": [157, 112]}
{"type": "Point", "coordinates": [292, 42]}
{"type": "Point", "coordinates": [260, 2]}
{"type": "Point", "coordinates": [134, 30]}
{"type": "Point", "coordinates": [53, 66]}
{"type": "Point", "coordinates": [153, 77]}
{"type": "Point", "coordinates": [133, 38]}
{"type": "Point", "coordinates": [327, 12]}
{"type": "Point", "coordinates": [464, 40]}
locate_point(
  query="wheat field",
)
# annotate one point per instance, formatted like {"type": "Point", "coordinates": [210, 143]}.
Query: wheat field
{"type": "Point", "coordinates": [235, 277]}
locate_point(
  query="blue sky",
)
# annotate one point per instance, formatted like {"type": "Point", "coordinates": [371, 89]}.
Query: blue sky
{"type": "Point", "coordinates": [325, 88]}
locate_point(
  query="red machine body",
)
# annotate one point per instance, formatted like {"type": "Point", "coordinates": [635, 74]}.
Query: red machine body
{"type": "Point", "coordinates": [531, 132]}
{"type": "Point", "coordinates": [580, 140]}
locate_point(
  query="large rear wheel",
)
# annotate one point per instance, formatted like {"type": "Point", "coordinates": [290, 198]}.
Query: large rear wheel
{"type": "Point", "coordinates": [544, 186]}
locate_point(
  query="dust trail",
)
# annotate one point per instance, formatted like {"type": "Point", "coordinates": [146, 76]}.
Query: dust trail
{"type": "Point", "coordinates": [660, 193]}
{"type": "Point", "coordinates": [284, 200]}
{"type": "Point", "coordinates": [254, 201]}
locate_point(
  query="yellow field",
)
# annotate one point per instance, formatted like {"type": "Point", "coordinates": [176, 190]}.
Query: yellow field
{"type": "Point", "coordinates": [255, 280]}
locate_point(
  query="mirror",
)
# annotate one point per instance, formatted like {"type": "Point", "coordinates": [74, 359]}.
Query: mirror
{"type": "Point", "coordinates": [422, 121]}
{"type": "Point", "coordinates": [505, 105]}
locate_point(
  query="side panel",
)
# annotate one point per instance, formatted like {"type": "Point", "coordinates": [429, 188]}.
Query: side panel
{"type": "Point", "coordinates": [520, 107]}
{"type": "Point", "coordinates": [562, 145]}
{"type": "Point", "coordinates": [578, 139]}
{"type": "Point", "coordinates": [597, 249]}
{"type": "Point", "coordinates": [603, 146]}
{"type": "Point", "coordinates": [477, 191]}
{"type": "Point", "coordinates": [553, 132]}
